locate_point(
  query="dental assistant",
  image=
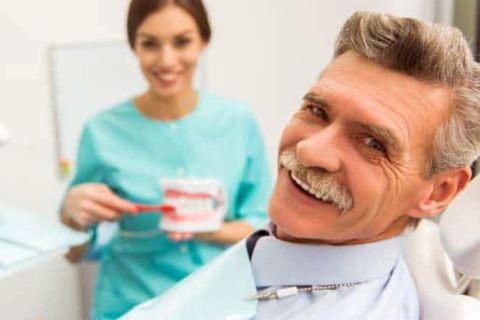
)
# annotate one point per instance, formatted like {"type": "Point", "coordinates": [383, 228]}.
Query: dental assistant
{"type": "Point", "coordinates": [170, 131]}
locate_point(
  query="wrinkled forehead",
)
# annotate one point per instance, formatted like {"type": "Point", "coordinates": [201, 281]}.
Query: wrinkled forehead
{"type": "Point", "coordinates": [374, 94]}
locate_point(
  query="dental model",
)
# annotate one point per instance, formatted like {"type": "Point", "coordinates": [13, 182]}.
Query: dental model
{"type": "Point", "coordinates": [199, 205]}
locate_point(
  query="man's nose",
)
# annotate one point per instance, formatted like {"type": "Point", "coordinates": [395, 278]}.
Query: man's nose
{"type": "Point", "coordinates": [320, 149]}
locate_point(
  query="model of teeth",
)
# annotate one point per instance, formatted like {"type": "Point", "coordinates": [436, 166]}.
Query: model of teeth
{"type": "Point", "coordinates": [191, 206]}
{"type": "Point", "coordinates": [308, 189]}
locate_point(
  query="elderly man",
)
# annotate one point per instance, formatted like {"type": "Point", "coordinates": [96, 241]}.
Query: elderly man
{"type": "Point", "coordinates": [383, 139]}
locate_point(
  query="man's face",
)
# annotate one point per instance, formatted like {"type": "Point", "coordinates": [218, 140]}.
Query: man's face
{"type": "Point", "coordinates": [360, 144]}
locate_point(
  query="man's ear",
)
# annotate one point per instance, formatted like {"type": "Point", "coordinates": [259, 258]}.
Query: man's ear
{"type": "Point", "coordinates": [440, 191]}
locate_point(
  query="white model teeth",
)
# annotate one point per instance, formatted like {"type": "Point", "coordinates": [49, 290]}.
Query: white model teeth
{"type": "Point", "coordinates": [307, 188]}
{"type": "Point", "coordinates": [187, 206]}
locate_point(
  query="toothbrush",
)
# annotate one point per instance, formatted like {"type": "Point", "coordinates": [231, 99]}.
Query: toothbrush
{"type": "Point", "coordinates": [164, 208]}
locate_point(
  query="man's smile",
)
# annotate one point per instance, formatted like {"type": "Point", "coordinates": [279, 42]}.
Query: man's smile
{"type": "Point", "coordinates": [316, 183]}
{"type": "Point", "coordinates": [304, 186]}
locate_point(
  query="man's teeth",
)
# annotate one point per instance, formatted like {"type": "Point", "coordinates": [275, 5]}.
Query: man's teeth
{"type": "Point", "coordinates": [308, 189]}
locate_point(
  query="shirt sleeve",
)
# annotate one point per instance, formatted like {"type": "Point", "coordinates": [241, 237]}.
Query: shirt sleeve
{"type": "Point", "coordinates": [88, 164]}
{"type": "Point", "coordinates": [256, 183]}
{"type": "Point", "coordinates": [88, 169]}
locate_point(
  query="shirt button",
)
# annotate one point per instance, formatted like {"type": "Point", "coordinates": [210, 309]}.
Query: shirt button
{"type": "Point", "coordinates": [183, 248]}
{"type": "Point", "coordinates": [173, 126]}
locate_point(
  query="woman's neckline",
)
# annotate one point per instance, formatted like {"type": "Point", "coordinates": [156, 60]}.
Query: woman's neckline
{"type": "Point", "coordinates": [166, 120]}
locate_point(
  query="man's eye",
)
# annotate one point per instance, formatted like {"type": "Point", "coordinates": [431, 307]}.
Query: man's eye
{"type": "Point", "coordinates": [374, 144]}
{"type": "Point", "coordinates": [319, 112]}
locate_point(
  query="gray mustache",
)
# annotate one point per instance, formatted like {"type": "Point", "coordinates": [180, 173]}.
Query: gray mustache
{"type": "Point", "coordinates": [320, 182]}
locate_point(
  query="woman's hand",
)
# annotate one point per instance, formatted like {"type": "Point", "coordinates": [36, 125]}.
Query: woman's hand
{"type": "Point", "coordinates": [90, 203]}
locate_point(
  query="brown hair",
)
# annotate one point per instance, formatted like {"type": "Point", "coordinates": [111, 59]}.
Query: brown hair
{"type": "Point", "coordinates": [434, 53]}
{"type": "Point", "coordinates": [141, 9]}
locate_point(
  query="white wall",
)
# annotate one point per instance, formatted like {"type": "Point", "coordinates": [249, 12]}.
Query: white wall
{"type": "Point", "coordinates": [28, 165]}
{"type": "Point", "coordinates": [265, 52]}
{"type": "Point", "coordinates": [269, 52]}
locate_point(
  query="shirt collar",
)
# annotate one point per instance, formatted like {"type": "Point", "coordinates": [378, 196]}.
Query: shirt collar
{"type": "Point", "coordinates": [278, 263]}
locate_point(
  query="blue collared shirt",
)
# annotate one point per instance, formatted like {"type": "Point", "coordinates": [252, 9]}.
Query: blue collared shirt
{"type": "Point", "coordinates": [221, 290]}
{"type": "Point", "coordinates": [386, 289]}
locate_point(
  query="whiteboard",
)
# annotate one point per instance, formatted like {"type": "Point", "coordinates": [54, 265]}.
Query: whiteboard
{"type": "Point", "coordinates": [86, 78]}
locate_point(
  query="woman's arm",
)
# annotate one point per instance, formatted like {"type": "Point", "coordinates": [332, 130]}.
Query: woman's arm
{"type": "Point", "coordinates": [86, 204]}
{"type": "Point", "coordinates": [88, 200]}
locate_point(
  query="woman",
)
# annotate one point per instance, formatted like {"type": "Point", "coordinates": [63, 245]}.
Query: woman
{"type": "Point", "coordinates": [170, 131]}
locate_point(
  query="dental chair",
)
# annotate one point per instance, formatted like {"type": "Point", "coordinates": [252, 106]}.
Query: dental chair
{"type": "Point", "coordinates": [444, 258]}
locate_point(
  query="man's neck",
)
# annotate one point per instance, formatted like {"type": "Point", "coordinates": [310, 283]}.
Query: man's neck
{"type": "Point", "coordinates": [394, 229]}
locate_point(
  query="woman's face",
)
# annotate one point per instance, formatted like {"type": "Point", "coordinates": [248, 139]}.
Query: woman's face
{"type": "Point", "coordinates": [168, 44]}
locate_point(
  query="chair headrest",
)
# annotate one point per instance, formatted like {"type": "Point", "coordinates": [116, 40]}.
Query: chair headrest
{"type": "Point", "coordinates": [460, 230]}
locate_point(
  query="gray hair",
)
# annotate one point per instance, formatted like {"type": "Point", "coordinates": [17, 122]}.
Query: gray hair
{"type": "Point", "coordinates": [433, 53]}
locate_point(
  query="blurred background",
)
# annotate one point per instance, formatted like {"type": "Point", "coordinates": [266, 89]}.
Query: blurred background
{"type": "Point", "coordinates": [264, 52]}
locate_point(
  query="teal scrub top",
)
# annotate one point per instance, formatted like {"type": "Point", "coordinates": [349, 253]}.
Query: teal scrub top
{"type": "Point", "coordinates": [130, 153]}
